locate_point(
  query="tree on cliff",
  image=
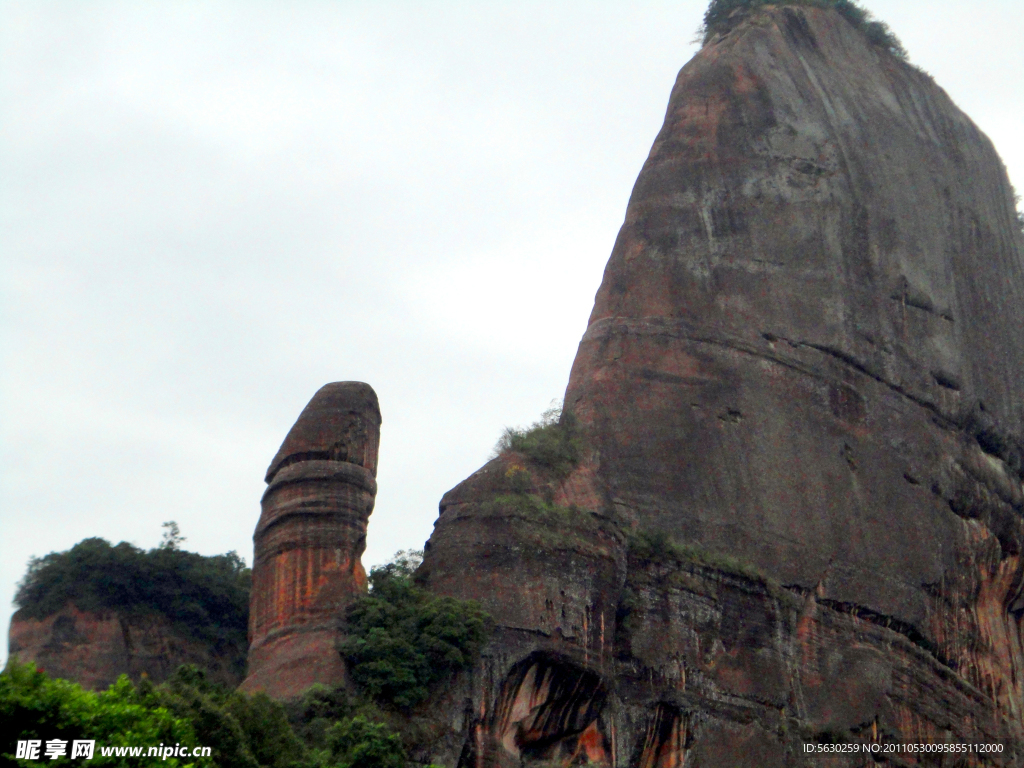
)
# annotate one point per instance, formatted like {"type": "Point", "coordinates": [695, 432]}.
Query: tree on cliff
{"type": "Point", "coordinates": [172, 538]}
{"type": "Point", "coordinates": [401, 639]}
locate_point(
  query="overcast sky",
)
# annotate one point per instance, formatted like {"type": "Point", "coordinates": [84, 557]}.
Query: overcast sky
{"type": "Point", "coordinates": [208, 210]}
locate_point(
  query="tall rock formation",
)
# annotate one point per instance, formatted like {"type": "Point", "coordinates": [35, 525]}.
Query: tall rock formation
{"type": "Point", "coordinates": [798, 513]}
{"type": "Point", "coordinates": [310, 538]}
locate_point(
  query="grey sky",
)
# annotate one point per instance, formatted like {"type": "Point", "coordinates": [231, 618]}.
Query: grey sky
{"type": "Point", "coordinates": [210, 209]}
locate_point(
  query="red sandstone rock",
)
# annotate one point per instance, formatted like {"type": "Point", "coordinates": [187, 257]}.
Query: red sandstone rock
{"type": "Point", "coordinates": [803, 366]}
{"type": "Point", "coordinates": [94, 649]}
{"type": "Point", "coordinates": [309, 541]}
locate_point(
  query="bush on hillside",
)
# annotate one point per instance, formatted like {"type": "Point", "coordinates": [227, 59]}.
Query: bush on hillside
{"type": "Point", "coordinates": [401, 639]}
{"type": "Point", "coordinates": [721, 16]}
{"type": "Point", "coordinates": [554, 442]}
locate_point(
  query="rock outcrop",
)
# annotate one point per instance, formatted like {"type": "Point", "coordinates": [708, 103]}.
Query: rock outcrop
{"type": "Point", "coordinates": [309, 540]}
{"type": "Point", "coordinates": [797, 517]}
{"type": "Point", "coordinates": [95, 648]}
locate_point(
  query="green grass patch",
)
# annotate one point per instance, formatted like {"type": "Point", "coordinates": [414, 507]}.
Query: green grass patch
{"type": "Point", "coordinates": [549, 525]}
{"type": "Point", "coordinates": [535, 509]}
{"type": "Point", "coordinates": [657, 547]}
{"type": "Point", "coordinates": [554, 442]}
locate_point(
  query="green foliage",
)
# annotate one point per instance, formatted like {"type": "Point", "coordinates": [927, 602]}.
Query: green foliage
{"type": "Point", "coordinates": [401, 639]}
{"type": "Point", "coordinates": [244, 731]}
{"type": "Point", "coordinates": [550, 526]}
{"type": "Point", "coordinates": [403, 565]}
{"type": "Point", "coordinates": [172, 537]}
{"type": "Point", "coordinates": [208, 596]}
{"type": "Point", "coordinates": [318, 709]}
{"type": "Point", "coordinates": [34, 706]}
{"type": "Point", "coordinates": [554, 442]}
{"type": "Point", "coordinates": [358, 743]}
{"type": "Point", "coordinates": [722, 15]}
{"type": "Point", "coordinates": [213, 725]}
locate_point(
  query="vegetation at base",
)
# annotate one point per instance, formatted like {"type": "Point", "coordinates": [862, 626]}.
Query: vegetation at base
{"type": "Point", "coordinates": [720, 19]}
{"type": "Point", "coordinates": [554, 442]}
{"type": "Point", "coordinates": [206, 596]}
{"type": "Point", "coordinates": [35, 706]}
{"type": "Point", "coordinates": [401, 639]}
{"type": "Point", "coordinates": [242, 731]}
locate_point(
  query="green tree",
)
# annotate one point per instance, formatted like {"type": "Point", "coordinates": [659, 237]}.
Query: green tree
{"type": "Point", "coordinates": [172, 537]}
{"type": "Point", "coordinates": [244, 731]}
{"type": "Point", "coordinates": [359, 743]}
{"type": "Point", "coordinates": [401, 639]}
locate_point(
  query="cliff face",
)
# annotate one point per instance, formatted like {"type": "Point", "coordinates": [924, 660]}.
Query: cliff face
{"type": "Point", "coordinates": [95, 648]}
{"type": "Point", "coordinates": [309, 541]}
{"type": "Point", "coordinates": [799, 510]}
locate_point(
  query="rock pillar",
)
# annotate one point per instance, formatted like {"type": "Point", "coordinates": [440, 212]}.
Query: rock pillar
{"type": "Point", "coordinates": [309, 541]}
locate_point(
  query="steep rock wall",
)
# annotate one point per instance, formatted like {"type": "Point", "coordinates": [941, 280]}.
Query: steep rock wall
{"type": "Point", "coordinates": [803, 364]}
{"type": "Point", "coordinates": [94, 649]}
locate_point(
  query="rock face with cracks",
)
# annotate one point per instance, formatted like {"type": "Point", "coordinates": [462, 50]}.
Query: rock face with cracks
{"type": "Point", "coordinates": [94, 648]}
{"type": "Point", "coordinates": [797, 517]}
{"type": "Point", "coordinates": [309, 541]}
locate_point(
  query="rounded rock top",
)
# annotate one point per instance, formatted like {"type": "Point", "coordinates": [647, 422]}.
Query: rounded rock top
{"type": "Point", "coordinates": [340, 423]}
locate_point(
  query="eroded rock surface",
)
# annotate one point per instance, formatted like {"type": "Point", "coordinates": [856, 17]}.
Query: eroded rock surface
{"type": "Point", "coordinates": [94, 648]}
{"type": "Point", "coordinates": [803, 368]}
{"type": "Point", "coordinates": [309, 541]}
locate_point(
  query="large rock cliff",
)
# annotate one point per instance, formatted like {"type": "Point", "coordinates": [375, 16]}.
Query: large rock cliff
{"type": "Point", "coordinates": [93, 648]}
{"type": "Point", "coordinates": [797, 515]}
